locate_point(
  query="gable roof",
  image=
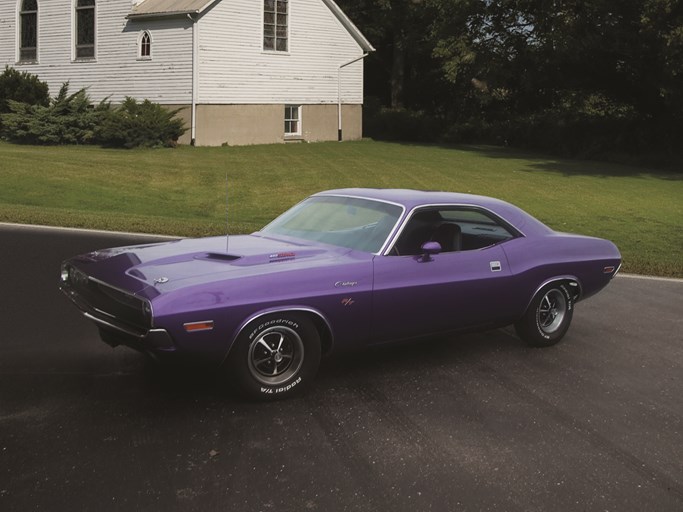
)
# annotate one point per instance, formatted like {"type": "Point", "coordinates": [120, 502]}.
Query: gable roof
{"type": "Point", "coordinates": [153, 8]}
{"type": "Point", "coordinates": [156, 8]}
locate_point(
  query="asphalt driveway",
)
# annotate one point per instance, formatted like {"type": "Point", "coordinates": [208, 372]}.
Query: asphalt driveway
{"type": "Point", "coordinates": [473, 422]}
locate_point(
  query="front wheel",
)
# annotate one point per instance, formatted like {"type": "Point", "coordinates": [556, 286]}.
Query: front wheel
{"type": "Point", "coordinates": [548, 317]}
{"type": "Point", "coordinates": [276, 356]}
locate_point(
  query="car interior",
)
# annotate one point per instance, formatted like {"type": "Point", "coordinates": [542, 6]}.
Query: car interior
{"type": "Point", "coordinates": [454, 230]}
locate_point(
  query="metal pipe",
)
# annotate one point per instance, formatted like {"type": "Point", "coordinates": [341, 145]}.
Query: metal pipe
{"type": "Point", "coordinates": [193, 109]}
{"type": "Point", "coordinates": [339, 94]}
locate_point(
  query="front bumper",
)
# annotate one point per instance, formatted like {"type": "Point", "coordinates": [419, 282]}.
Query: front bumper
{"type": "Point", "coordinates": [114, 332]}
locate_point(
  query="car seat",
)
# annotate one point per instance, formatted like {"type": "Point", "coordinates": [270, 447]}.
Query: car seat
{"type": "Point", "coordinates": [449, 237]}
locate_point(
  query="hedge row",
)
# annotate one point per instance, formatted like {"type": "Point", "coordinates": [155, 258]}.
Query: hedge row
{"type": "Point", "coordinates": [608, 133]}
{"type": "Point", "coordinates": [28, 115]}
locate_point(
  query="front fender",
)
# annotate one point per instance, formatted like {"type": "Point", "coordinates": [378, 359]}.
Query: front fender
{"type": "Point", "coordinates": [320, 320]}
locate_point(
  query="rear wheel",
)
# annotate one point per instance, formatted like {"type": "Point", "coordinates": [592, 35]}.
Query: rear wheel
{"type": "Point", "coordinates": [276, 356]}
{"type": "Point", "coordinates": [548, 317]}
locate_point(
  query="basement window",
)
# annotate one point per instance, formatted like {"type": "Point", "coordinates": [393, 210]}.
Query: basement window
{"type": "Point", "coordinates": [292, 120]}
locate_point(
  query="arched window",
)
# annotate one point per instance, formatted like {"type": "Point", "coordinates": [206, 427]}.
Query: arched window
{"type": "Point", "coordinates": [85, 29]}
{"type": "Point", "coordinates": [145, 46]}
{"type": "Point", "coordinates": [28, 17]}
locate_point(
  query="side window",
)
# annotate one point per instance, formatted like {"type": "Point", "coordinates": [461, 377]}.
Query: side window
{"type": "Point", "coordinates": [455, 228]}
{"type": "Point", "coordinates": [145, 46]}
{"type": "Point", "coordinates": [28, 25]}
{"type": "Point", "coordinates": [275, 25]}
{"type": "Point", "coordinates": [85, 29]}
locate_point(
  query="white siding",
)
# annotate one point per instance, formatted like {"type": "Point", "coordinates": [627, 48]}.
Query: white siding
{"type": "Point", "coordinates": [234, 69]}
{"type": "Point", "coordinates": [7, 32]}
{"type": "Point", "coordinates": [116, 72]}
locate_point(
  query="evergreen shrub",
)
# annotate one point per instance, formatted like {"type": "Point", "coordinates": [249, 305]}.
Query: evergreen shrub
{"type": "Point", "coordinates": [140, 124]}
{"type": "Point", "coordinates": [23, 87]}
{"type": "Point", "coordinates": [67, 119]}
{"type": "Point", "coordinates": [73, 119]}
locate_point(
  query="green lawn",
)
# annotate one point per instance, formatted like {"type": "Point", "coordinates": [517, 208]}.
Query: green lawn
{"type": "Point", "coordinates": [182, 191]}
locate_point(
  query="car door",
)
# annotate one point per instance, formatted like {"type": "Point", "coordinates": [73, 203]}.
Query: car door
{"type": "Point", "coordinates": [414, 297]}
{"type": "Point", "coordinates": [418, 294]}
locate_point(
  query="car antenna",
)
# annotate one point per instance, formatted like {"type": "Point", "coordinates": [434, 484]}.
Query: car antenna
{"type": "Point", "coordinates": [227, 223]}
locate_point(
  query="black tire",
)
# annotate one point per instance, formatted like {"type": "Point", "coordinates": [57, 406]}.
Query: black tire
{"type": "Point", "coordinates": [548, 317]}
{"type": "Point", "coordinates": [276, 356]}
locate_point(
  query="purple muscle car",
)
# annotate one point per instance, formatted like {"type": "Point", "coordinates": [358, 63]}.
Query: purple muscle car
{"type": "Point", "coordinates": [341, 270]}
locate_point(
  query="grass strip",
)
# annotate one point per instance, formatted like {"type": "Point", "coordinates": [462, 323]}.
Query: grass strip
{"type": "Point", "coordinates": [182, 191]}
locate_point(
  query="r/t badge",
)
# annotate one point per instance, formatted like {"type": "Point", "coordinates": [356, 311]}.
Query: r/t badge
{"type": "Point", "coordinates": [348, 301]}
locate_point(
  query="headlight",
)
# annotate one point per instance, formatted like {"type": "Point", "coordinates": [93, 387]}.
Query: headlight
{"type": "Point", "coordinates": [147, 311]}
{"type": "Point", "coordinates": [65, 274]}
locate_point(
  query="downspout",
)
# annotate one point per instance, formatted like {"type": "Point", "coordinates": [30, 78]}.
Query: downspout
{"type": "Point", "coordinates": [339, 94]}
{"type": "Point", "coordinates": [193, 122]}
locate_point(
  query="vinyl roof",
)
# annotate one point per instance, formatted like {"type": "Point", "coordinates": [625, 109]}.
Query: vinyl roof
{"type": "Point", "coordinates": [412, 199]}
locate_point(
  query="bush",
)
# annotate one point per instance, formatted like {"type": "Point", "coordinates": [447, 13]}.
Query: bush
{"type": "Point", "coordinates": [73, 119]}
{"type": "Point", "coordinates": [67, 119]}
{"type": "Point", "coordinates": [401, 125]}
{"type": "Point", "coordinates": [23, 87]}
{"type": "Point", "coordinates": [577, 125]}
{"type": "Point", "coordinates": [143, 124]}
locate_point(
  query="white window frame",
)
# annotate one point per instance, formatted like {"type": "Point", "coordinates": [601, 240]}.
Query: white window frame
{"type": "Point", "coordinates": [74, 33]}
{"type": "Point", "coordinates": [290, 119]}
{"type": "Point", "coordinates": [141, 39]}
{"type": "Point", "coordinates": [275, 50]}
{"type": "Point", "coordinates": [20, 27]}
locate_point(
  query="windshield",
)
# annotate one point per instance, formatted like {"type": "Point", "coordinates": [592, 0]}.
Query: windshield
{"type": "Point", "coordinates": [360, 224]}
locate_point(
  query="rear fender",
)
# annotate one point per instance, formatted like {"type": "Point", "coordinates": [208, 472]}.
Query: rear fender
{"type": "Point", "coordinates": [574, 286]}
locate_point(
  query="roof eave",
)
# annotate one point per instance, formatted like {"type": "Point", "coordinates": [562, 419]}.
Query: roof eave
{"type": "Point", "coordinates": [336, 10]}
{"type": "Point", "coordinates": [167, 14]}
{"type": "Point", "coordinates": [349, 26]}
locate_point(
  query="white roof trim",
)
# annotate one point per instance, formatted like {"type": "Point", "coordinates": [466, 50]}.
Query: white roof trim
{"type": "Point", "coordinates": [348, 25]}
{"type": "Point", "coordinates": [156, 8]}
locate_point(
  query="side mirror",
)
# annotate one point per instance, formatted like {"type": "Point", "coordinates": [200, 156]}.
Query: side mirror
{"type": "Point", "coordinates": [429, 249]}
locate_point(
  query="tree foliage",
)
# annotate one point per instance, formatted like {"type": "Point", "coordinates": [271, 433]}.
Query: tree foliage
{"type": "Point", "coordinates": [399, 31]}
{"type": "Point", "coordinates": [508, 70]}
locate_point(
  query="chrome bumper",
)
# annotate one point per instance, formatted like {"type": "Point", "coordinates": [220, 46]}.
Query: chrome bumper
{"type": "Point", "coordinates": [114, 332]}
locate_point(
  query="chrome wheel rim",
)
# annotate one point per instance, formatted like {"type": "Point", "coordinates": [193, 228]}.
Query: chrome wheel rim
{"type": "Point", "coordinates": [551, 311]}
{"type": "Point", "coordinates": [276, 355]}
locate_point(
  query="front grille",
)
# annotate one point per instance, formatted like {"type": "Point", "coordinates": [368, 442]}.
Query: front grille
{"type": "Point", "coordinates": [112, 302]}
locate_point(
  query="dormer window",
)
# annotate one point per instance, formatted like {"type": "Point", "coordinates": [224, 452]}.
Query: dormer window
{"type": "Point", "coordinates": [145, 46]}
{"type": "Point", "coordinates": [28, 23]}
{"type": "Point", "coordinates": [85, 29]}
{"type": "Point", "coordinates": [275, 25]}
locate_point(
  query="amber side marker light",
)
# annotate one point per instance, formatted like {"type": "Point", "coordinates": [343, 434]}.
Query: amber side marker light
{"type": "Point", "coordinates": [207, 325]}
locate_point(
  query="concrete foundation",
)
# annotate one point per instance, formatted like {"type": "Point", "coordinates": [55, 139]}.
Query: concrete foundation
{"type": "Point", "coordinates": [239, 125]}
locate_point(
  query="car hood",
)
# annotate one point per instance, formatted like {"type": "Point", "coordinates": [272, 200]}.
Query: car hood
{"type": "Point", "coordinates": [160, 268]}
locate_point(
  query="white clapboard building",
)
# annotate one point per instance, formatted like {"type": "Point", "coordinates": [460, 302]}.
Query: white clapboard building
{"type": "Point", "coordinates": [243, 71]}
